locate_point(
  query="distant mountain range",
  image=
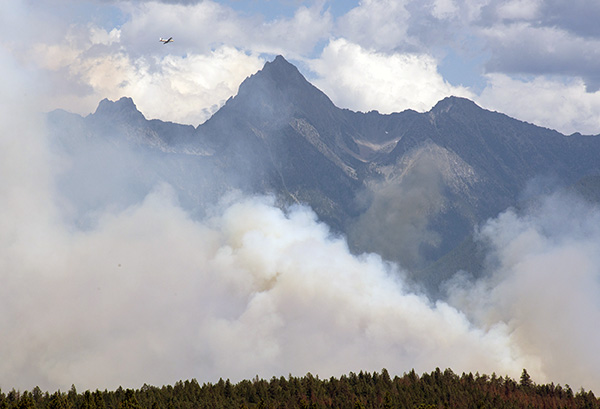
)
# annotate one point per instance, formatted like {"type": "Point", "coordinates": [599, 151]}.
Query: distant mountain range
{"type": "Point", "coordinates": [410, 186]}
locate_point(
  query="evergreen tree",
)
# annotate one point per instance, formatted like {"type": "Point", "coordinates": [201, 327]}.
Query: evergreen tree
{"type": "Point", "coordinates": [98, 400]}
{"type": "Point", "coordinates": [525, 380]}
{"type": "Point", "coordinates": [26, 401]}
{"type": "Point", "coordinates": [58, 401]}
{"type": "Point", "coordinates": [354, 391]}
{"type": "Point", "coordinates": [129, 401]}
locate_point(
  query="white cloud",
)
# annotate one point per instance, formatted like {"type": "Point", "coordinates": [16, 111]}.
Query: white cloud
{"type": "Point", "coordinates": [215, 49]}
{"type": "Point", "coordinates": [564, 106]}
{"type": "Point", "coordinates": [540, 43]}
{"type": "Point", "coordinates": [180, 89]}
{"type": "Point", "coordinates": [207, 25]}
{"type": "Point", "coordinates": [379, 24]}
{"type": "Point", "coordinates": [196, 28]}
{"type": "Point", "coordinates": [186, 89]}
{"type": "Point", "coordinates": [296, 36]}
{"type": "Point", "coordinates": [101, 36]}
{"type": "Point", "coordinates": [519, 9]}
{"type": "Point", "coordinates": [473, 9]}
{"type": "Point", "coordinates": [362, 79]}
{"type": "Point", "coordinates": [444, 9]}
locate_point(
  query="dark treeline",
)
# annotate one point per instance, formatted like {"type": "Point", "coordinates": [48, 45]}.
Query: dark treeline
{"type": "Point", "coordinates": [354, 391]}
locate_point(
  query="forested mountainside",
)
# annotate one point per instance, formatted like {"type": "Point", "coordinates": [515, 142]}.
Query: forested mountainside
{"type": "Point", "coordinates": [438, 389]}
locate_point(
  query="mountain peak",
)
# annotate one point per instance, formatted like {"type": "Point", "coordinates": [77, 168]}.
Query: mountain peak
{"type": "Point", "coordinates": [281, 65]}
{"type": "Point", "coordinates": [453, 102]}
{"type": "Point", "coordinates": [281, 72]}
{"type": "Point", "coordinates": [277, 92]}
{"type": "Point", "coordinates": [124, 109]}
{"type": "Point", "coordinates": [279, 60]}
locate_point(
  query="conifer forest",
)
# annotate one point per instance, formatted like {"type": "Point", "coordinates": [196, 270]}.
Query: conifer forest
{"type": "Point", "coordinates": [438, 389]}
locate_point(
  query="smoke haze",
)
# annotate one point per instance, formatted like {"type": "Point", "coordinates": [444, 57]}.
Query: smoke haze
{"type": "Point", "coordinates": [151, 296]}
{"type": "Point", "coordinates": [395, 222]}
{"type": "Point", "coordinates": [543, 281]}
{"type": "Point", "coordinates": [146, 293]}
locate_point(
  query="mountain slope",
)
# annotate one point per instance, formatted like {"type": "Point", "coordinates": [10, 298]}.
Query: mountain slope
{"type": "Point", "coordinates": [410, 186]}
{"type": "Point", "coordinates": [285, 135]}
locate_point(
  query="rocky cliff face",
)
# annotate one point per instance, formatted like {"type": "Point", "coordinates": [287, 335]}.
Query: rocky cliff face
{"type": "Point", "coordinates": [410, 186]}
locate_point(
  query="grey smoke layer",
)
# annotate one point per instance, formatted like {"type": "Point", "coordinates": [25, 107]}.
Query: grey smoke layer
{"type": "Point", "coordinates": [543, 281]}
{"type": "Point", "coordinates": [146, 293]}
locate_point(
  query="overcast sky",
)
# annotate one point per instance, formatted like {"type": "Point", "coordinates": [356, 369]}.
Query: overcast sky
{"type": "Point", "coordinates": [536, 60]}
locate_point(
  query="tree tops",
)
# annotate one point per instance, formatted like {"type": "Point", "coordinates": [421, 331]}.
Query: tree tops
{"type": "Point", "coordinates": [438, 389]}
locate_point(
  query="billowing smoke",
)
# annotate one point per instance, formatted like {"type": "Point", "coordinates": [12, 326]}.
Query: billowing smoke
{"type": "Point", "coordinates": [543, 282]}
{"type": "Point", "coordinates": [150, 295]}
{"type": "Point", "coordinates": [146, 293]}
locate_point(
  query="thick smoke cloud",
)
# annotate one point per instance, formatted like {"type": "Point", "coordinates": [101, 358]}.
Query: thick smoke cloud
{"type": "Point", "coordinates": [150, 295]}
{"type": "Point", "coordinates": [543, 281]}
{"type": "Point", "coordinates": [147, 294]}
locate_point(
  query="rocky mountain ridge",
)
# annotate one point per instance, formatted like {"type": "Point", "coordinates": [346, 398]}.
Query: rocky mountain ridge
{"type": "Point", "coordinates": [410, 186]}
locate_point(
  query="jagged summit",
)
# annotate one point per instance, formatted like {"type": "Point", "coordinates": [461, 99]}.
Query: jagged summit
{"type": "Point", "coordinates": [275, 94]}
{"type": "Point", "coordinates": [279, 59]}
{"type": "Point", "coordinates": [283, 72]}
{"type": "Point", "coordinates": [278, 73]}
{"type": "Point", "coordinates": [452, 102]}
{"type": "Point", "coordinates": [380, 179]}
{"type": "Point", "coordinates": [124, 110]}
{"type": "Point", "coordinates": [281, 76]}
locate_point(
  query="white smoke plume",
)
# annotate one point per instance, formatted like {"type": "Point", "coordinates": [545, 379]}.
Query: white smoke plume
{"type": "Point", "coordinates": [152, 296]}
{"type": "Point", "coordinates": [543, 282]}
{"type": "Point", "coordinates": [148, 294]}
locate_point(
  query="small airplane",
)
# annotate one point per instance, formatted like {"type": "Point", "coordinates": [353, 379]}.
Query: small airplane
{"type": "Point", "coordinates": [166, 40]}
